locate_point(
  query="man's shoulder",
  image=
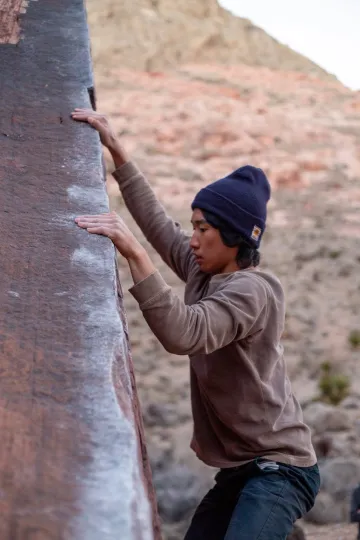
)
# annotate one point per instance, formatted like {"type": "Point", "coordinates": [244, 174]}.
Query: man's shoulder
{"type": "Point", "coordinates": [260, 277]}
{"type": "Point", "coordinates": [260, 283]}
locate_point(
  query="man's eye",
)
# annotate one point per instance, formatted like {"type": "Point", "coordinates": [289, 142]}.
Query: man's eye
{"type": "Point", "coordinates": [202, 229]}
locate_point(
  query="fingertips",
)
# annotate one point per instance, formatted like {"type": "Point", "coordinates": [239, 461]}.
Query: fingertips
{"type": "Point", "coordinates": [78, 118]}
{"type": "Point", "coordinates": [79, 115]}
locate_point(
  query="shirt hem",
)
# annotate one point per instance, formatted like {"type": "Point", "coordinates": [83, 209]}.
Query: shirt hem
{"type": "Point", "coordinates": [278, 457]}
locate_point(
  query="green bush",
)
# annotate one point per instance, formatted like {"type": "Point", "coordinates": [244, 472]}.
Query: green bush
{"type": "Point", "coordinates": [334, 254]}
{"type": "Point", "coordinates": [354, 339]}
{"type": "Point", "coordinates": [334, 387]}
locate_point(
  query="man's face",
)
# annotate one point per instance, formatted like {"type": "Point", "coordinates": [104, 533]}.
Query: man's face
{"type": "Point", "coordinates": [212, 256]}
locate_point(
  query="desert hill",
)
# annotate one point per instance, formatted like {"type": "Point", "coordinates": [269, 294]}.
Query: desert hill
{"type": "Point", "coordinates": [154, 35]}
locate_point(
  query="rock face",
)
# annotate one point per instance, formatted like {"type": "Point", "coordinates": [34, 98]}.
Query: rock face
{"type": "Point", "coordinates": [161, 34]}
{"type": "Point", "coordinates": [73, 463]}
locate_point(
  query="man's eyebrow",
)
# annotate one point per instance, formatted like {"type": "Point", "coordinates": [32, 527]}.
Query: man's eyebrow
{"type": "Point", "coordinates": [199, 222]}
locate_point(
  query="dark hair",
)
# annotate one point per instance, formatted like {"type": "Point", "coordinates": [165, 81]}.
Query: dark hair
{"type": "Point", "coordinates": [247, 254]}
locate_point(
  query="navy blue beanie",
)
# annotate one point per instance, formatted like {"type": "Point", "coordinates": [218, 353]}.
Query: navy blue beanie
{"type": "Point", "coordinates": [239, 200]}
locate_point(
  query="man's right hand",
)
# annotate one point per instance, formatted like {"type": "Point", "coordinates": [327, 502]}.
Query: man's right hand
{"type": "Point", "coordinates": [98, 122]}
{"type": "Point", "coordinates": [107, 135]}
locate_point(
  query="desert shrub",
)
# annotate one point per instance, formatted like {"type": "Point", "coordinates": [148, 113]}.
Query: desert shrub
{"type": "Point", "coordinates": [334, 387]}
{"type": "Point", "coordinates": [335, 253]}
{"type": "Point", "coordinates": [354, 339]}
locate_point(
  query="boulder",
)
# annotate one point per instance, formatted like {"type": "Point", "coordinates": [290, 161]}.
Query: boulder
{"type": "Point", "coordinates": [165, 414]}
{"type": "Point", "coordinates": [178, 491]}
{"type": "Point", "coordinates": [325, 510]}
{"type": "Point", "coordinates": [351, 402]}
{"type": "Point", "coordinates": [322, 418]}
{"type": "Point", "coordinates": [296, 534]}
{"type": "Point", "coordinates": [339, 476]}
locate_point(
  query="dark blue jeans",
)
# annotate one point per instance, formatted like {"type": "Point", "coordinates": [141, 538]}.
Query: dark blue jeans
{"type": "Point", "coordinates": [254, 503]}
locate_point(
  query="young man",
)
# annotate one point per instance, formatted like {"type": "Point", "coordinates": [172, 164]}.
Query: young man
{"type": "Point", "coordinates": [247, 422]}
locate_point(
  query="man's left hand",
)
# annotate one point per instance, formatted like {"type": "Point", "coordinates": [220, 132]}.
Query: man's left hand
{"type": "Point", "coordinates": [112, 226]}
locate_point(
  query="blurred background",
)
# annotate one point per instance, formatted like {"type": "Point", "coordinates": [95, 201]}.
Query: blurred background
{"type": "Point", "coordinates": [196, 89]}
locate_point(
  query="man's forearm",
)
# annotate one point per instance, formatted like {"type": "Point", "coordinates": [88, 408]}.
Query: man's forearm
{"type": "Point", "coordinates": [141, 266]}
{"type": "Point", "coordinates": [118, 153]}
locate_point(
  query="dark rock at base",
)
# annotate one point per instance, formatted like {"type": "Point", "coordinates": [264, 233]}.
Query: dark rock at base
{"type": "Point", "coordinates": [296, 534]}
{"type": "Point", "coordinates": [178, 492]}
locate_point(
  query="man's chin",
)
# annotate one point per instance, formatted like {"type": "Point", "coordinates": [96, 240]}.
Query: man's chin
{"type": "Point", "coordinates": [204, 268]}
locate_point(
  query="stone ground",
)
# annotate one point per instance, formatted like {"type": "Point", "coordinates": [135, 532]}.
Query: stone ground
{"type": "Point", "coordinates": [331, 532]}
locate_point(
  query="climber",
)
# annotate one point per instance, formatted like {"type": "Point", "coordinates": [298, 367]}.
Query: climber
{"type": "Point", "coordinates": [355, 508]}
{"type": "Point", "coordinates": [246, 421]}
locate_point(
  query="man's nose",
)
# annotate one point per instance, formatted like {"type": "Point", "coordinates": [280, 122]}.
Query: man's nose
{"type": "Point", "coordinates": [194, 242]}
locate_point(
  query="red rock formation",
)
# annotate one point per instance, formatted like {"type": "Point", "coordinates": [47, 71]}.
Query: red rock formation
{"type": "Point", "coordinates": [73, 462]}
{"type": "Point", "coordinates": [10, 11]}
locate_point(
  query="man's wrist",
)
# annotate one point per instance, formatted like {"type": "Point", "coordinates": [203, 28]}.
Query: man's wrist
{"type": "Point", "coordinates": [140, 264]}
{"type": "Point", "coordinates": [138, 255]}
{"type": "Point", "coordinates": [117, 152]}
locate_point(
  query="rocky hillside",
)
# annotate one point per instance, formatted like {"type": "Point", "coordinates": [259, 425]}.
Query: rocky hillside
{"type": "Point", "coordinates": [161, 34]}
{"type": "Point", "coordinates": [192, 124]}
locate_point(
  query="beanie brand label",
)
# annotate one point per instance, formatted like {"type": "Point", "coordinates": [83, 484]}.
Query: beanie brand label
{"type": "Point", "coordinates": [256, 233]}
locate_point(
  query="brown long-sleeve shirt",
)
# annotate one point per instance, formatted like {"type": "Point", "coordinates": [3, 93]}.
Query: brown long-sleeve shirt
{"type": "Point", "coordinates": [230, 325]}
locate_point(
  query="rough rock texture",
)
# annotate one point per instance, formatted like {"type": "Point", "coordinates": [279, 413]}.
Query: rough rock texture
{"type": "Point", "coordinates": [71, 433]}
{"type": "Point", "coordinates": [160, 34]}
{"type": "Point", "coordinates": [10, 14]}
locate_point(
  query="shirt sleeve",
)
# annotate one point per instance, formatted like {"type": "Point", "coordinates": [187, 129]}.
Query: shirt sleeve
{"type": "Point", "coordinates": [230, 314]}
{"type": "Point", "coordinates": [164, 234]}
